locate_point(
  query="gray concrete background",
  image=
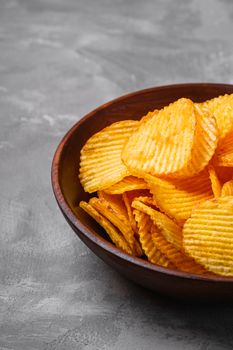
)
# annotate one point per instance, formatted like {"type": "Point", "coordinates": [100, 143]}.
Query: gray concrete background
{"type": "Point", "coordinates": [58, 60]}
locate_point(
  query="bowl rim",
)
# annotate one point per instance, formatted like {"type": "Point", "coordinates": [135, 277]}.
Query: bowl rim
{"type": "Point", "coordinates": [89, 233]}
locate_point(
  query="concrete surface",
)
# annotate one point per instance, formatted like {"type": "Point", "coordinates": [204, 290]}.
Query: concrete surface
{"type": "Point", "coordinates": [58, 60]}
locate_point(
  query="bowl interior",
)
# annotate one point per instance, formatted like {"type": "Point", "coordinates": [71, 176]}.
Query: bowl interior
{"type": "Point", "coordinates": [67, 187]}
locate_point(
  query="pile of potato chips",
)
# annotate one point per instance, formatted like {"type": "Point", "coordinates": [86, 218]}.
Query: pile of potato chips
{"type": "Point", "coordinates": [165, 185]}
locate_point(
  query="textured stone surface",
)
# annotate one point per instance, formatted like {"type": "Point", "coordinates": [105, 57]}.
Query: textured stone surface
{"type": "Point", "coordinates": [58, 60]}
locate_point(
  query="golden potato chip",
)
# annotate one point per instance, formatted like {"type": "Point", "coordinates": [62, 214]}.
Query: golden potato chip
{"type": "Point", "coordinates": [147, 200]}
{"type": "Point", "coordinates": [227, 189]}
{"type": "Point", "coordinates": [144, 229]}
{"type": "Point", "coordinates": [205, 143]}
{"type": "Point", "coordinates": [171, 231]}
{"type": "Point", "coordinates": [132, 221]}
{"type": "Point", "coordinates": [117, 205]}
{"type": "Point", "coordinates": [111, 230]}
{"type": "Point", "coordinates": [163, 144]}
{"type": "Point", "coordinates": [222, 109]}
{"type": "Point", "coordinates": [208, 235]}
{"type": "Point", "coordinates": [215, 183]}
{"type": "Point", "coordinates": [128, 198]}
{"type": "Point", "coordinates": [129, 183]}
{"type": "Point", "coordinates": [224, 152]}
{"type": "Point", "coordinates": [100, 162]}
{"type": "Point", "coordinates": [149, 116]}
{"type": "Point", "coordinates": [177, 197]}
{"type": "Point", "coordinates": [176, 256]}
{"type": "Point", "coordinates": [116, 217]}
{"type": "Point", "coordinates": [115, 200]}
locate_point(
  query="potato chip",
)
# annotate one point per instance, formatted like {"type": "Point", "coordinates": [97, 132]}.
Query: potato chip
{"type": "Point", "coordinates": [116, 217]}
{"type": "Point", "coordinates": [208, 235]}
{"type": "Point", "coordinates": [215, 183]}
{"type": "Point", "coordinates": [129, 183]}
{"type": "Point", "coordinates": [149, 116]}
{"type": "Point", "coordinates": [177, 197]}
{"type": "Point", "coordinates": [111, 230]}
{"type": "Point", "coordinates": [227, 189]}
{"type": "Point", "coordinates": [132, 221]}
{"type": "Point", "coordinates": [163, 144]}
{"type": "Point", "coordinates": [117, 205]}
{"type": "Point", "coordinates": [149, 201]}
{"type": "Point", "coordinates": [176, 256]}
{"type": "Point", "coordinates": [115, 200]}
{"type": "Point", "coordinates": [222, 109]}
{"type": "Point", "coordinates": [144, 229]}
{"type": "Point", "coordinates": [224, 152]}
{"type": "Point", "coordinates": [100, 162]}
{"type": "Point", "coordinates": [171, 231]}
{"type": "Point", "coordinates": [205, 143]}
{"type": "Point", "coordinates": [128, 198]}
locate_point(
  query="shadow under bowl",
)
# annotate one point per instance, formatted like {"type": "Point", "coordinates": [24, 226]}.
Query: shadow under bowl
{"type": "Point", "coordinates": [69, 192]}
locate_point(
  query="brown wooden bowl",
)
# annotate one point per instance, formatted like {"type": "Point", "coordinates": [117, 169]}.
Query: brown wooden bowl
{"type": "Point", "coordinates": [69, 192]}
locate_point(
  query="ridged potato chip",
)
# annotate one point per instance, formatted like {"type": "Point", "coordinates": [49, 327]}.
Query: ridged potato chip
{"type": "Point", "coordinates": [170, 230]}
{"type": "Point", "coordinates": [128, 198]}
{"type": "Point", "coordinates": [208, 235]}
{"type": "Point", "coordinates": [227, 189]}
{"type": "Point", "coordinates": [215, 183]}
{"type": "Point", "coordinates": [129, 183]}
{"type": "Point", "coordinates": [163, 144]}
{"type": "Point", "coordinates": [177, 197]}
{"type": "Point", "coordinates": [204, 145]}
{"type": "Point", "coordinates": [116, 217]}
{"type": "Point", "coordinates": [100, 162]}
{"type": "Point", "coordinates": [149, 201]}
{"type": "Point", "coordinates": [144, 230]}
{"type": "Point", "coordinates": [149, 116]}
{"type": "Point", "coordinates": [128, 202]}
{"type": "Point", "coordinates": [224, 152]}
{"type": "Point", "coordinates": [115, 200]}
{"type": "Point", "coordinates": [111, 230]}
{"type": "Point", "coordinates": [222, 109]}
{"type": "Point", "coordinates": [113, 208]}
{"type": "Point", "coordinates": [178, 258]}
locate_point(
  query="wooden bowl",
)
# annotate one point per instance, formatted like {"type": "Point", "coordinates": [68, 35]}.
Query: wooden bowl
{"type": "Point", "coordinates": [69, 193]}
